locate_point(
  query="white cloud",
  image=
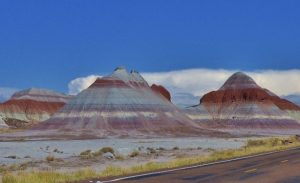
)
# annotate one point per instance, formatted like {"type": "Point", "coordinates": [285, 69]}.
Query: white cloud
{"type": "Point", "coordinates": [6, 93]}
{"type": "Point", "coordinates": [284, 82]}
{"type": "Point", "coordinates": [194, 81]}
{"type": "Point", "coordinates": [77, 85]}
{"type": "Point", "coordinates": [200, 81]}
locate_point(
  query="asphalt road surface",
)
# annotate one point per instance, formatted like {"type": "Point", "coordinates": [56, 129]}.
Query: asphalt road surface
{"type": "Point", "coordinates": [281, 167]}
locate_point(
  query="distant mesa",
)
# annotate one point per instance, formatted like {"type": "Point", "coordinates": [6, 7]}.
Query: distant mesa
{"type": "Point", "coordinates": [242, 106]}
{"type": "Point", "coordinates": [295, 98]}
{"type": "Point", "coordinates": [42, 95]}
{"type": "Point", "coordinates": [184, 99]}
{"type": "Point", "coordinates": [122, 104]}
{"type": "Point", "coordinates": [31, 106]}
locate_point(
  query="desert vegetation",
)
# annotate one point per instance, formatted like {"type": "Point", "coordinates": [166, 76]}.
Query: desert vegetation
{"type": "Point", "coordinates": [151, 150]}
{"type": "Point", "coordinates": [251, 147]}
{"type": "Point", "coordinates": [50, 158]}
{"type": "Point", "coordinates": [176, 148]}
{"type": "Point", "coordinates": [48, 176]}
{"type": "Point", "coordinates": [134, 154]}
{"type": "Point", "coordinates": [92, 154]}
{"type": "Point", "coordinates": [13, 167]}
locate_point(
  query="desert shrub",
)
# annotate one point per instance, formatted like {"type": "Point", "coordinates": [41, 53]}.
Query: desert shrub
{"type": "Point", "coordinates": [50, 158]}
{"type": "Point", "coordinates": [268, 142]}
{"type": "Point", "coordinates": [210, 149]}
{"type": "Point", "coordinates": [176, 148]}
{"type": "Point", "coordinates": [86, 153]}
{"type": "Point", "coordinates": [276, 141]}
{"type": "Point", "coordinates": [89, 154]}
{"type": "Point", "coordinates": [12, 157]}
{"type": "Point", "coordinates": [103, 150]}
{"type": "Point", "coordinates": [13, 167]}
{"type": "Point", "coordinates": [3, 168]}
{"type": "Point", "coordinates": [134, 154]}
{"type": "Point", "coordinates": [120, 157]}
{"type": "Point", "coordinates": [58, 151]}
{"type": "Point", "coordinates": [97, 153]}
{"type": "Point", "coordinates": [161, 149]}
{"type": "Point", "coordinates": [251, 143]}
{"type": "Point", "coordinates": [151, 150]}
{"type": "Point", "coordinates": [295, 138]}
{"type": "Point", "coordinates": [107, 149]}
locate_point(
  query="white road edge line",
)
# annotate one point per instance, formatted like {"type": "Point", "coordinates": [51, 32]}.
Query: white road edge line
{"type": "Point", "coordinates": [195, 166]}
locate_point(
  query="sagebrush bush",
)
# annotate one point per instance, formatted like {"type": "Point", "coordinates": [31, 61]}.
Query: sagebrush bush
{"type": "Point", "coordinates": [251, 143]}
{"type": "Point", "coordinates": [176, 148]}
{"type": "Point", "coordinates": [86, 153]}
{"type": "Point", "coordinates": [161, 149]}
{"type": "Point", "coordinates": [50, 158]}
{"type": "Point", "coordinates": [134, 154]}
{"type": "Point", "coordinates": [107, 149]}
{"type": "Point", "coordinates": [151, 150]}
{"type": "Point", "coordinates": [120, 157]}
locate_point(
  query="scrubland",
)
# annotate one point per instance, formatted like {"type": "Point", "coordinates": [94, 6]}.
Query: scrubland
{"type": "Point", "coordinates": [15, 175]}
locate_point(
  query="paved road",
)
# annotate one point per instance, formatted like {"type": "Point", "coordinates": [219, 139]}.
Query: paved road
{"type": "Point", "coordinates": [281, 167]}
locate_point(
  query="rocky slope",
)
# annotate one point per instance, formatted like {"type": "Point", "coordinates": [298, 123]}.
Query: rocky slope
{"type": "Point", "coordinates": [31, 106]}
{"type": "Point", "coordinates": [242, 106]}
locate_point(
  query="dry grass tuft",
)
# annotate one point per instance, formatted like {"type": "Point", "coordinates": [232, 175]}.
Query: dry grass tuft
{"type": "Point", "coordinates": [50, 158]}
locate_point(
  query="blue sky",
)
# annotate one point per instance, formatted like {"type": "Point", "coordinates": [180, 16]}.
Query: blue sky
{"type": "Point", "coordinates": [49, 43]}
